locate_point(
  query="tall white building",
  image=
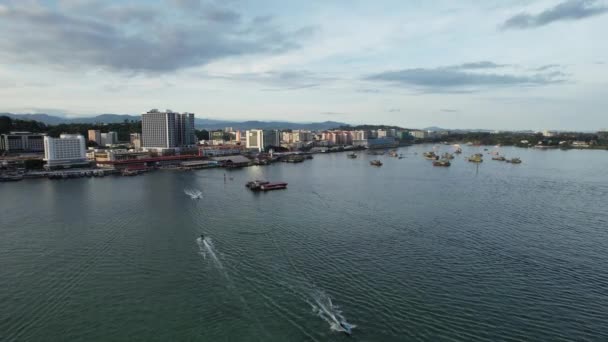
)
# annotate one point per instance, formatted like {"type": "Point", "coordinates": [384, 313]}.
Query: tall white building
{"type": "Point", "coordinates": [255, 139]}
{"type": "Point", "coordinates": [165, 130]}
{"type": "Point", "coordinates": [67, 150]}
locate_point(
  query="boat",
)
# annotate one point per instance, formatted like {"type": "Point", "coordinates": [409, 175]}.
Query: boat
{"type": "Point", "coordinates": [376, 162]}
{"type": "Point", "coordinates": [476, 158]}
{"type": "Point", "coordinates": [442, 162]}
{"type": "Point", "coordinates": [430, 155]}
{"type": "Point", "coordinates": [255, 184]}
{"type": "Point", "coordinates": [265, 186]}
{"type": "Point", "coordinates": [352, 155]}
{"type": "Point", "coordinates": [447, 155]}
{"type": "Point", "coordinates": [346, 328]}
{"type": "Point", "coordinates": [499, 158]}
{"type": "Point", "coordinates": [393, 154]}
{"type": "Point", "coordinates": [514, 161]}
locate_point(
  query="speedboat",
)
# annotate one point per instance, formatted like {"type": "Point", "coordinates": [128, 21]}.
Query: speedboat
{"type": "Point", "coordinates": [202, 236]}
{"type": "Point", "coordinates": [347, 329]}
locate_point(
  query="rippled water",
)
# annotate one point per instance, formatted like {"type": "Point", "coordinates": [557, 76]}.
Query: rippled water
{"type": "Point", "coordinates": [403, 252]}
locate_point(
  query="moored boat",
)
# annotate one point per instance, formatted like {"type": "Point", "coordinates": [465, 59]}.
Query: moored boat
{"type": "Point", "coordinates": [442, 162]}
{"type": "Point", "coordinates": [376, 162]}
{"type": "Point", "coordinates": [476, 158]}
{"type": "Point", "coordinates": [499, 158]}
{"type": "Point", "coordinates": [514, 161]}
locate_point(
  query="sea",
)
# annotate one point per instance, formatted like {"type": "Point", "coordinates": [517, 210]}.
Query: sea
{"type": "Point", "coordinates": [402, 252]}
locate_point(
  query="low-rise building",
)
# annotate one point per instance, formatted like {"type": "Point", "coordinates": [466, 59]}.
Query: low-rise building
{"type": "Point", "coordinates": [66, 151]}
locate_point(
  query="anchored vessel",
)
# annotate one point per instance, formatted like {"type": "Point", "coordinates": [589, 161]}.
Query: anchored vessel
{"type": "Point", "coordinates": [265, 186]}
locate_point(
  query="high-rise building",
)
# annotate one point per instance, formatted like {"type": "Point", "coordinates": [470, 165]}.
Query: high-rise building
{"type": "Point", "coordinates": [255, 139]}
{"type": "Point", "coordinates": [110, 138]}
{"type": "Point", "coordinates": [272, 137]}
{"type": "Point", "coordinates": [135, 139]}
{"type": "Point", "coordinates": [185, 129]}
{"type": "Point", "coordinates": [95, 135]}
{"type": "Point", "coordinates": [165, 130]}
{"type": "Point", "coordinates": [67, 150]}
{"type": "Point", "coordinates": [22, 142]}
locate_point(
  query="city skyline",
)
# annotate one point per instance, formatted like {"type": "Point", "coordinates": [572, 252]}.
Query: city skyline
{"type": "Point", "coordinates": [501, 65]}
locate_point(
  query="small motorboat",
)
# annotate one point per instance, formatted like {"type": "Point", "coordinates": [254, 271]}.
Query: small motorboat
{"type": "Point", "coordinates": [202, 236]}
{"type": "Point", "coordinates": [346, 328]}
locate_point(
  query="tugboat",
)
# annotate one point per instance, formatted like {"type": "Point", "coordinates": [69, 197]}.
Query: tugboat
{"type": "Point", "coordinates": [376, 162]}
{"type": "Point", "coordinates": [514, 161]}
{"type": "Point", "coordinates": [442, 162]}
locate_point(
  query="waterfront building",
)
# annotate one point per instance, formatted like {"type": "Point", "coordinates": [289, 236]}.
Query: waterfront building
{"type": "Point", "coordinates": [419, 134]}
{"type": "Point", "coordinates": [255, 139]}
{"type": "Point", "coordinates": [360, 135]}
{"type": "Point", "coordinates": [66, 151]}
{"type": "Point", "coordinates": [185, 129]}
{"type": "Point", "coordinates": [271, 137]}
{"type": "Point", "coordinates": [381, 133]}
{"type": "Point", "coordinates": [548, 133]}
{"type": "Point", "coordinates": [167, 130]}
{"type": "Point", "coordinates": [22, 142]}
{"type": "Point", "coordinates": [221, 150]}
{"type": "Point", "coordinates": [95, 135]}
{"type": "Point", "coordinates": [108, 139]}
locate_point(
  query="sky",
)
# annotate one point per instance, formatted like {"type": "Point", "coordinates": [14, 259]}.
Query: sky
{"type": "Point", "coordinates": [494, 64]}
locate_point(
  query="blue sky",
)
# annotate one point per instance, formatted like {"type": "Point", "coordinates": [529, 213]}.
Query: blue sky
{"type": "Point", "coordinates": [507, 64]}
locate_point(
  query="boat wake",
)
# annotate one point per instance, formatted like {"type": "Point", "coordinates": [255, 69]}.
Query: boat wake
{"type": "Point", "coordinates": [323, 306]}
{"type": "Point", "coordinates": [206, 247]}
{"type": "Point", "coordinates": [193, 193]}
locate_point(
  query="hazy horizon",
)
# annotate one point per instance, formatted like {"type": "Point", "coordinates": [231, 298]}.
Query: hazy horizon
{"type": "Point", "coordinates": [500, 65]}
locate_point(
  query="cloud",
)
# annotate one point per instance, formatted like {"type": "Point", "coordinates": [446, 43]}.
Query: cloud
{"type": "Point", "coordinates": [393, 110]}
{"type": "Point", "coordinates": [449, 110]}
{"type": "Point", "coordinates": [135, 39]}
{"type": "Point", "coordinates": [567, 10]}
{"type": "Point", "coordinates": [332, 113]}
{"type": "Point", "coordinates": [454, 80]}
{"type": "Point", "coordinates": [479, 65]}
{"type": "Point", "coordinates": [279, 80]}
{"type": "Point", "coordinates": [547, 67]}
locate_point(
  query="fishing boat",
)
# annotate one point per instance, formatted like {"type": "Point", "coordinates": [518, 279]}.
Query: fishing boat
{"type": "Point", "coordinates": [514, 161]}
{"type": "Point", "coordinates": [376, 162]}
{"type": "Point", "coordinates": [442, 162]}
{"type": "Point", "coordinates": [476, 158]}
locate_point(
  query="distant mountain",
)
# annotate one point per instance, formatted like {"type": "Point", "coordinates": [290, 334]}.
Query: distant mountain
{"type": "Point", "coordinates": [208, 124]}
{"type": "Point", "coordinates": [216, 124]}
